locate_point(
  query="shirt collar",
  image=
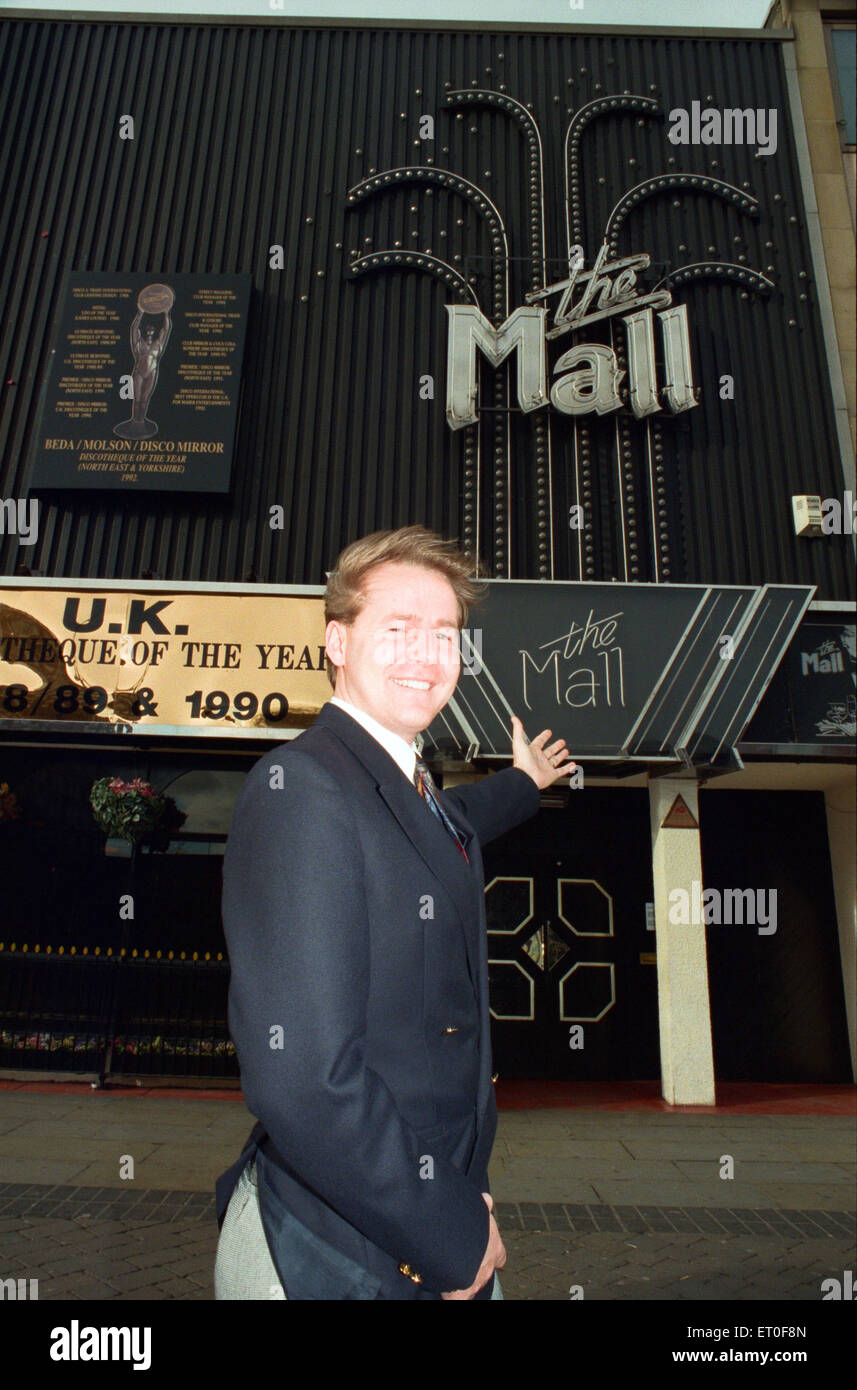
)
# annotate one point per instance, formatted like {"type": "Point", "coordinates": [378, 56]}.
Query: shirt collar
{"type": "Point", "coordinates": [403, 753]}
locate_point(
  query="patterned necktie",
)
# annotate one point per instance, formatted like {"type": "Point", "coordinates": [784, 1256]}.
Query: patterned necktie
{"type": "Point", "coordinates": [424, 783]}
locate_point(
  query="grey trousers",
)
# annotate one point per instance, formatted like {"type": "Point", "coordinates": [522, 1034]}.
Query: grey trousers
{"type": "Point", "coordinates": [243, 1267]}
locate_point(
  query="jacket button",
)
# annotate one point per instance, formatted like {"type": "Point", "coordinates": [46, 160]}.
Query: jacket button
{"type": "Point", "coordinates": [450, 1030]}
{"type": "Point", "coordinates": [495, 1077]}
{"type": "Point", "coordinates": [411, 1273]}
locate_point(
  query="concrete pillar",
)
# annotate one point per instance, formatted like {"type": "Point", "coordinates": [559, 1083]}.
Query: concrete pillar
{"type": "Point", "coordinates": [842, 836]}
{"type": "Point", "coordinates": [687, 1063]}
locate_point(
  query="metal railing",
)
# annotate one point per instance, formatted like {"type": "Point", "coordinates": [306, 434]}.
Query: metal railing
{"type": "Point", "coordinates": [111, 1014]}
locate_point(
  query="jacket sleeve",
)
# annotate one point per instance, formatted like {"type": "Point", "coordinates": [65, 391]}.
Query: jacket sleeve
{"type": "Point", "coordinates": [497, 803]}
{"type": "Point", "coordinates": [294, 912]}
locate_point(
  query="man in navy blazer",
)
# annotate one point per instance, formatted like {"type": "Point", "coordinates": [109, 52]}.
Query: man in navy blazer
{"type": "Point", "coordinates": [354, 916]}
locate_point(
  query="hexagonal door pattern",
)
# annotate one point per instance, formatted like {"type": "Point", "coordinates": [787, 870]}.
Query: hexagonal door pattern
{"type": "Point", "coordinates": [583, 909]}
{"type": "Point", "coordinates": [572, 992]}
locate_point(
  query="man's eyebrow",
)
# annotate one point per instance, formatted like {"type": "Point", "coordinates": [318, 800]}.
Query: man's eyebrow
{"type": "Point", "coordinates": [415, 617]}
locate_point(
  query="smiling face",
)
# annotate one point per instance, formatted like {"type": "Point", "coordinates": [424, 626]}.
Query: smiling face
{"type": "Point", "coordinates": [399, 660]}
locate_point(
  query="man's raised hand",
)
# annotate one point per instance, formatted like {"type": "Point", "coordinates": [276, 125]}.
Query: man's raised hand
{"type": "Point", "coordinates": [543, 764]}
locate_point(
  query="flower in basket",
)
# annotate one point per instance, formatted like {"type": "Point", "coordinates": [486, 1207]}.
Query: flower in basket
{"type": "Point", "coordinates": [132, 810]}
{"type": "Point", "coordinates": [9, 808]}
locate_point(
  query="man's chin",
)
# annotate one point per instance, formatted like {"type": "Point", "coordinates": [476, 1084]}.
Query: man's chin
{"type": "Point", "coordinates": [421, 711]}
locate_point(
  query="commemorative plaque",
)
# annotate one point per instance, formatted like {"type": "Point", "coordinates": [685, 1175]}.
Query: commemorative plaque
{"type": "Point", "coordinates": [144, 383]}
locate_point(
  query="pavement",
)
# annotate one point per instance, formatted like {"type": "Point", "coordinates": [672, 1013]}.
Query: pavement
{"type": "Point", "coordinates": [109, 1195]}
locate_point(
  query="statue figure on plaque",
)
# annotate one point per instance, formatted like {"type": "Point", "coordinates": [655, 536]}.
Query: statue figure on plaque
{"type": "Point", "coordinates": [147, 347]}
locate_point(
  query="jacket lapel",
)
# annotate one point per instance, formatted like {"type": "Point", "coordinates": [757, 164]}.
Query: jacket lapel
{"type": "Point", "coordinates": [428, 836]}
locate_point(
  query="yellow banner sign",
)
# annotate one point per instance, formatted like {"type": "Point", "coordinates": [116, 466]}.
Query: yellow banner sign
{"type": "Point", "coordinates": [235, 663]}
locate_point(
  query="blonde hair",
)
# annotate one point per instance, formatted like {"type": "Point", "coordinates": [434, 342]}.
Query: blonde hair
{"type": "Point", "coordinates": [345, 595]}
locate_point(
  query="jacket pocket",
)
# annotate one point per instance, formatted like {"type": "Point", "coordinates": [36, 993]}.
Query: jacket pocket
{"type": "Point", "coordinates": [309, 1268]}
{"type": "Point", "coordinates": [431, 1136]}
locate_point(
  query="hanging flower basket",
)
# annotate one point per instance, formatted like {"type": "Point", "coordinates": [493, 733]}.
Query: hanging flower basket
{"type": "Point", "coordinates": [9, 808]}
{"type": "Point", "coordinates": [134, 811]}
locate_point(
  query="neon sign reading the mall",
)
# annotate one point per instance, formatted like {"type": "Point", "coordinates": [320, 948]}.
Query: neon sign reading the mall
{"type": "Point", "coordinates": [588, 375]}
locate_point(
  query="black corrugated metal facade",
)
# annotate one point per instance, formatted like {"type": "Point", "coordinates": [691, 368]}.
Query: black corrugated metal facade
{"type": "Point", "coordinates": [248, 137]}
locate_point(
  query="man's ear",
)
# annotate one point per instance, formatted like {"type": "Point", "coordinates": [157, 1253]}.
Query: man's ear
{"type": "Point", "coordinates": [334, 642]}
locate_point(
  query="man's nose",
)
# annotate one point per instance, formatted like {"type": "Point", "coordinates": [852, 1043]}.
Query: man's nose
{"type": "Point", "coordinates": [428, 649]}
{"type": "Point", "coordinates": [418, 647]}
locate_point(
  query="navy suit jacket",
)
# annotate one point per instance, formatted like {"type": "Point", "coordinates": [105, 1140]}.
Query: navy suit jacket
{"type": "Point", "coordinates": [358, 1005]}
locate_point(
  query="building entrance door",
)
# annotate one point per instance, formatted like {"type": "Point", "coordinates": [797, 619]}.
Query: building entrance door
{"type": "Point", "coordinates": [573, 983]}
{"type": "Point", "coordinates": [777, 996]}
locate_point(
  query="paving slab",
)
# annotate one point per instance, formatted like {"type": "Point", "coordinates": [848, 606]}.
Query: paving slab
{"type": "Point", "coordinates": [8, 1124]}
{"type": "Point", "coordinates": [505, 1189]}
{"type": "Point", "coordinates": [569, 1148]}
{"type": "Point", "coordinates": [23, 1168]}
{"type": "Point", "coordinates": [683, 1194]}
{"type": "Point", "coordinates": [529, 1168]}
{"type": "Point", "coordinates": [709, 1156]}
{"type": "Point", "coordinates": [782, 1173]}
{"type": "Point", "coordinates": [105, 1126]}
{"type": "Point", "coordinates": [81, 1146]}
{"type": "Point", "coordinates": [835, 1151]}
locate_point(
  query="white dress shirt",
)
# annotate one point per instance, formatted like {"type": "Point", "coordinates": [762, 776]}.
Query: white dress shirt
{"type": "Point", "coordinates": [404, 753]}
